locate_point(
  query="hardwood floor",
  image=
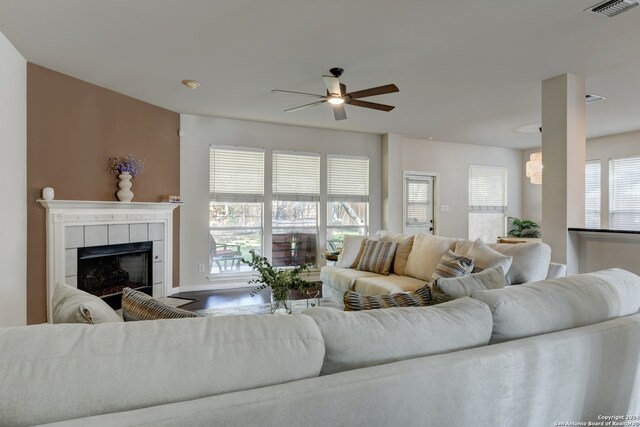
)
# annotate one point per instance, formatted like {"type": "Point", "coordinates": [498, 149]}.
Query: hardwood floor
{"type": "Point", "coordinates": [220, 298]}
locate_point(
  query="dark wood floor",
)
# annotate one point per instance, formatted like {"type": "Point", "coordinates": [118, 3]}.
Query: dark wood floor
{"type": "Point", "coordinates": [220, 298]}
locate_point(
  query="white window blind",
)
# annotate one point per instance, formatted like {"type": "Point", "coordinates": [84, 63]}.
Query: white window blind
{"type": "Point", "coordinates": [487, 188]}
{"type": "Point", "coordinates": [296, 176]}
{"type": "Point", "coordinates": [236, 174]}
{"type": "Point", "coordinates": [624, 193]}
{"type": "Point", "coordinates": [347, 179]}
{"type": "Point", "coordinates": [592, 194]}
{"type": "Point", "coordinates": [418, 201]}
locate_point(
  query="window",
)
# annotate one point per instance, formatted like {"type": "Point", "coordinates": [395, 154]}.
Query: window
{"type": "Point", "coordinates": [347, 198]}
{"type": "Point", "coordinates": [296, 195]}
{"type": "Point", "coordinates": [624, 193]}
{"type": "Point", "coordinates": [592, 194]}
{"type": "Point", "coordinates": [236, 197]}
{"type": "Point", "coordinates": [487, 202]}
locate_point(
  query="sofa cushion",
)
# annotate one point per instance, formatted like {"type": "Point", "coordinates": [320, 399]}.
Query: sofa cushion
{"type": "Point", "coordinates": [453, 265]}
{"type": "Point", "coordinates": [484, 257]}
{"type": "Point", "coordinates": [448, 288]}
{"type": "Point", "coordinates": [71, 305]}
{"type": "Point", "coordinates": [356, 339]}
{"type": "Point", "coordinates": [140, 306]}
{"type": "Point", "coordinates": [379, 285]}
{"type": "Point", "coordinates": [343, 279]}
{"type": "Point", "coordinates": [73, 371]}
{"type": "Point", "coordinates": [354, 301]}
{"type": "Point", "coordinates": [405, 243]}
{"type": "Point", "coordinates": [377, 256]}
{"type": "Point", "coordinates": [557, 304]}
{"type": "Point", "coordinates": [352, 247]}
{"type": "Point", "coordinates": [425, 255]}
{"type": "Point", "coordinates": [530, 261]}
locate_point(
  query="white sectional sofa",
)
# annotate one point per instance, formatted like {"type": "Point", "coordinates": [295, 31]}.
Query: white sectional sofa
{"type": "Point", "coordinates": [557, 351]}
{"type": "Point", "coordinates": [416, 258]}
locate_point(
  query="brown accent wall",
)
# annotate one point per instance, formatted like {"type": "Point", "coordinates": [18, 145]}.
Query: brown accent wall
{"type": "Point", "coordinates": [73, 127]}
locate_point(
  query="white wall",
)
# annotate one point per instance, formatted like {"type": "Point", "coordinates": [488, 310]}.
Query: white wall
{"type": "Point", "coordinates": [13, 185]}
{"type": "Point", "coordinates": [450, 161]}
{"type": "Point", "coordinates": [201, 132]}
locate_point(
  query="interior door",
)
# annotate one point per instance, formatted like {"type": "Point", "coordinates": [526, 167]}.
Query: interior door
{"type": "Point", "coordinates": [418, 203]}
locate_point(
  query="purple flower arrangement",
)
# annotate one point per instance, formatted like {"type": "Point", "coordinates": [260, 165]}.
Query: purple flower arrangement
{"type": "Point", "coordinates": [129, 163]}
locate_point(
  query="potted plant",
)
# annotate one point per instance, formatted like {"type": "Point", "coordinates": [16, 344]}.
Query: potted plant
{"type": "Point", "coordinates": [523, 228]}
{"type": "Point", "coordinates": [281, 281]}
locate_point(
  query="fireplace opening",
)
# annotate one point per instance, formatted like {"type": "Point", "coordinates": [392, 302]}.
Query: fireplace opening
{"type": "Point", "coordinates": [105, 271]}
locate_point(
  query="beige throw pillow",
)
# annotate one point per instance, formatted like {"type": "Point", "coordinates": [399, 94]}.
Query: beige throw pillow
{"type": "Point", "coordinates": [351, 251]}
{"type": "Point", "coordinates": [426, 254]}
{"type": "Point", "coordinates": [484, 257]}
{"type": "Point", "coordinates": [71, 305]}
{"type": "Point", "coordinates": [405, 243]}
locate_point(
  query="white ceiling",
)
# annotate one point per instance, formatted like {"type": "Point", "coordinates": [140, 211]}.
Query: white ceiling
{"type": "Point", "coordinates": [468, 71]}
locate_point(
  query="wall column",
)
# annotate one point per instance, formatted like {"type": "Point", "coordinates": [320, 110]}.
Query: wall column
{"type": "Point", "coordinates": [391, 184]}
{"type": "Point", "coordinates": [563, 155]}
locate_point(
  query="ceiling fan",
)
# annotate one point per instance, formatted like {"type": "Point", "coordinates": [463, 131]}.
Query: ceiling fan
{"type": "Point", "coordinates": [337, 96]}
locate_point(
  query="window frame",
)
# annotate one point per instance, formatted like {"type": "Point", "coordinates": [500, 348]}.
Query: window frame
{"type": "Point", "coordinates": [486, 207]}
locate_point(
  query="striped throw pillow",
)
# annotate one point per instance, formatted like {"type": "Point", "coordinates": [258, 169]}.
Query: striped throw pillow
{"type": "Point", "coordinates": [453, 265]}
{"type": "Point", "coordinates": [377, 256]}
{"type": "Point", "coordinates": [354, 301]}
{"type": "Point", "coordinates": [137, 305]}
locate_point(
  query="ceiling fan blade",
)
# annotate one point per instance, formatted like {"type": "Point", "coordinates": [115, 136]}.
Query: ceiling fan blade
{"type": "Point", "coordinates": [298, 93]}
{"type": "Point", "coordinates": [302, 107]}
{"type": "Point", "coordinates": [333, 85]}
{"type": "Point", "coordinates": [380, 90]}
{"type": "Point", "coordinates": [338, 112]}
{"type": "Point", "coordinates": [374, 105]}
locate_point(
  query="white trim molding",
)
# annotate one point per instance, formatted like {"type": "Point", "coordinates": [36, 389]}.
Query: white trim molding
{"type": "Point", "coordinates": [62, 214]}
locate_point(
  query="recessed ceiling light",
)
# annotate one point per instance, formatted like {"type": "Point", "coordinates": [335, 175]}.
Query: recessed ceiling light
{"type": "Point", "coordinates": [191, 84]}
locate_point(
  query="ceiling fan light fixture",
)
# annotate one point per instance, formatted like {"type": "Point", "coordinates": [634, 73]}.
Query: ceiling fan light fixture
{"type": "Point", "coordinates": [335, 101]}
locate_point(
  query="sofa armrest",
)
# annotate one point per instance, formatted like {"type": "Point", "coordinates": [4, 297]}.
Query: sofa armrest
{"type": "Point", "coordinates": [556, 270]}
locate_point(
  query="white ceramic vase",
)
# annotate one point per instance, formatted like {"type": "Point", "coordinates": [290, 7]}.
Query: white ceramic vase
{"type": "Point", "coordinates": [124, 193]}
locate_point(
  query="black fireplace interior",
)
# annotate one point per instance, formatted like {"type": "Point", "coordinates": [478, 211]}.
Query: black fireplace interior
{"type": "Point", "coordinates": [105, 271]}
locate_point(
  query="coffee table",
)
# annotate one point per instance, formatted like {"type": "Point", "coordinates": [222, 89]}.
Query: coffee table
{"type": "Point", "coordinates": [297, 306]}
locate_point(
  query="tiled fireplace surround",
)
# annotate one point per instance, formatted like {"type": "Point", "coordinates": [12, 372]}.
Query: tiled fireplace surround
{"type": "Point", "coordinates": [77, 224]}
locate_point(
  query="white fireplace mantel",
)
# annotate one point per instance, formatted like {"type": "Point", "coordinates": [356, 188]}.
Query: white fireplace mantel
{"type": "Point", "coordinates": [79, 213]}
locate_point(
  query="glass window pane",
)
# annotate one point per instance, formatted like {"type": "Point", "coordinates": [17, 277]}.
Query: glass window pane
{"type": "Point", "coordinates": [235, 214]}
{"type": "Point", "coordinates": [294, 214]}
{"type": "Point", "coordinates": [347, 213]}
{"type": "Point", "coordinates": [335, 236]}
{"type": "Point", "coordinates": [293, 247]}
{"type": "Point", "coordinates": [228, 247]}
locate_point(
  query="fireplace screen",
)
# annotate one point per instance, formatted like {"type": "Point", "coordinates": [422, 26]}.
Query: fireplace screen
{"type": "Point", "coordinates": [105, 271]}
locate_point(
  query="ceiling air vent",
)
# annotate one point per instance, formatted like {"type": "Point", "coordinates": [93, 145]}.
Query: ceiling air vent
{"type": "Point", "coordinates": [612, 8]}
{"type": "Point", "coordinates": [593, 98]}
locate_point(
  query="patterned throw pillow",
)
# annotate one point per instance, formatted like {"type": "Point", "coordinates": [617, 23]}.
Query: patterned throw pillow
{"type": "Point", "coordinates": [140, 306]}
{"type": "Point", "coordinates": [452, 265]}
{"type": "Point", "coordinates": [354, 301]}
{"type": "Point", "coordinates": [377, 256]}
